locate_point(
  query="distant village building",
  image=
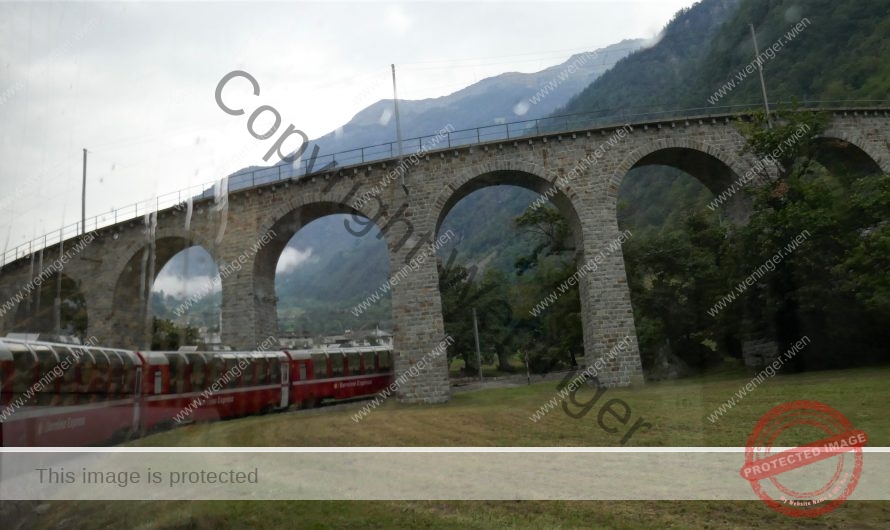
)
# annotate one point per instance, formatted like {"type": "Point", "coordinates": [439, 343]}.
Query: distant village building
{"type": "Point", "coordinates": [208, 336]}
{"type": "Point", "coordinates": [301, 341]}
{"type": "Point", "coordinates": [375, 337]}
{"type": "Point", "coordinates": [349, 338]}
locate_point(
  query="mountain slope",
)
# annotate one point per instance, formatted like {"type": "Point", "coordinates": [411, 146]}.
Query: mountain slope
{"type": "Point", "coordinates": [658, 77]}
{"type": "Point", "coordinates": [336, 271]}
{"type": "Point", "coordinates": [503, 98]}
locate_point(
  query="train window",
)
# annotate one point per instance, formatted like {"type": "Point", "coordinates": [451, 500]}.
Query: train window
{"type": "Point", "coordinates": [230, 377]}
{"type": "Point", "coordinates": [24, 362]}
{"type": "Point", "coordinates": [115, 374]}
{"type": "Point", "coordinates": [337, 364]}
{"type": "Point", "coordinates": [46, 358]}
{"type": "Point", "coordinates": [87, 369]}
{"type": "Point", "coordinates": [216, 371]}
{"type": "Point", "coordinates": [177, 373]}
{"type": "Point", "coordinates": [354, 363]}
{"type": "Point", "coordinates": [68, 384]}
{"type": "Point", "coordinates": [198, 375]}
{"type": "Point", "coordinates": [275, 370]}
{"type": "Point", "coordinates": [249, 374]}
{"type": "Point", "coordinates": [319, 365]}
{"type": "Point", "coordinates": [128, 375]}
{"type": "Point", "coordinates": [369, 362]}
{"type": "Point", "coordinates": [103, 369]}
{"type": "Point", "coordinates": [262, 371]}
{"type": "Point", "coordinates": [302, 375]}
{"type": "Point", "coordinates": [385, 361]}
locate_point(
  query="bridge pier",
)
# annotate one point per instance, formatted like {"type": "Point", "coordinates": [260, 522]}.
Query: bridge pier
{"type": "Point", "coordinates": [416, 307]}
{"type": "Point", "coordinates": [249, 314]}
{"type": "Point", "coordinates": [117, 322]}
{"type": "Point", "coordinates": [610, 337]}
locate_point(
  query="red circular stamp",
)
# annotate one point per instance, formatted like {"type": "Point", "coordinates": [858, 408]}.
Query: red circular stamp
{"type": "Point", "coordinates": [810, 485]}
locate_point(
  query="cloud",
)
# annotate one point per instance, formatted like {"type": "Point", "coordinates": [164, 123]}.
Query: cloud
{"type": "Point", "coordinates": [291, 258]}
{"type": "Point", "coordinates": [180, 287]}
{"type": "Point", "coordinates": [397, 20]}
{"type": "Point", "coordinates": [163, 131]}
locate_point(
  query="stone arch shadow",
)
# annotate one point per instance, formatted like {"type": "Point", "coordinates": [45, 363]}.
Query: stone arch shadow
{"type": "Point", "coordinates": [36, 313]}
{"type": "Point", "coordinates": [716, 169]}
{"type": "Point", "coordinates": [527, 176]}
{"type": "Point", "coordinates": [846, 154]}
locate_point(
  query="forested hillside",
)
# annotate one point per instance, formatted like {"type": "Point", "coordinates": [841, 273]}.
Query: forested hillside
{"type": "Point", "coordinates": [840, 55]}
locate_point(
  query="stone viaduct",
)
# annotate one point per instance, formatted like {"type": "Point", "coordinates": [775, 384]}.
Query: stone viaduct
{"type": "Point", "coordinates": [111, 270]}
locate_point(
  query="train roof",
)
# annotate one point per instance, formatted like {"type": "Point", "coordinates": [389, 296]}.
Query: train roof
{"type": "Point", "coordinates": [188, 356]}
{"type": "Point", "coordinates": [305, 353]}
{"type": "Point", "coordinates": [59, 350]}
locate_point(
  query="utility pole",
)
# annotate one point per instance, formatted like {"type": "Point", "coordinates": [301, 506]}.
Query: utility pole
{"type": "Point", "coordinates": [57, 301]}
{"type": "Point", "coordinates": [83, 197]}
{"type": "Point", "coordinates": [769, 122]}
{"type": "Point", "coordinates": [395, 100]}
{"type": "Point", "coordinates": [528, 374]}
{"type": "Point", "coordinates": [478, 352]}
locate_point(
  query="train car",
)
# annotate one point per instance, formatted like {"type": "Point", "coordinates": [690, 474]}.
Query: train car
{"type": "Point", "coordinates": [338, 373]}
{"type": "Point", "coordinates": [67, 394]}
{"type": "Point", "coordinates": [56, 394]}
{"type": "Point", "coordinates": [190, 386]}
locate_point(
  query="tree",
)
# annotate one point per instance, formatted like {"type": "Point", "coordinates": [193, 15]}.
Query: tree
{"type": "Point", "coordinates": [167, 336]}
{"type": "Point", "coordinates": [547, 229]}
{"type": "Point", "coordinates": [833, 286]}
{"type": "Point", "coordinates": [557, 330]}
{"type": "Point", "coordinates": [675, 277]}
{"type": "Point", "coordinates": [459, 291]}
{"type": "Point", "coordinates": [783, 212]}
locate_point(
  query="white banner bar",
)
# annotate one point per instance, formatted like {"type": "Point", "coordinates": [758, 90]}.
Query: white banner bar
{"type": "Point", "coordinates": [420, 473]}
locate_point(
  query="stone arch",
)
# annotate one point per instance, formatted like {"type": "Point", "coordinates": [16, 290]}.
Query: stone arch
{"type": "Point", "coordinates": [606, 314]}
{"type": "Point", "coordinates": [843, 152]}
{"type": "Point", "coordinates": [688, 153]}
{"type": "Point", "coordinates": [566, 200]}
{"type": "Point", "coordinates": [127, 248]}
{"type": "Point", "coordinates": [712, 166]}
{"type": "Point", "coordinates": [278, 227]}
{"type": "Point", "coordinates": [511, 173]}
{"type": "Point", "coordinates": [133, 279]}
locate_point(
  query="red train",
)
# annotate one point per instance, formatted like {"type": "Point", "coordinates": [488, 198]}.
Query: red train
{"type": "Point", "coordinates": [54, 394]}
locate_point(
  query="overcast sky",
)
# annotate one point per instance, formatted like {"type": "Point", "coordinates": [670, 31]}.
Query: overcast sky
{"type": "Point", "coordinates": [134, 82]}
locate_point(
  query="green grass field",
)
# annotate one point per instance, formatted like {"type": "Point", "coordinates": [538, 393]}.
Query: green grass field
{"type": "Point", "coordinates": [678, 412]}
